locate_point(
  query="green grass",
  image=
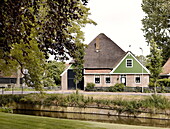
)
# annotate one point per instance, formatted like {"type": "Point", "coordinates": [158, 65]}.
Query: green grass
{"type": "Point", "coordinates": [15, 121]}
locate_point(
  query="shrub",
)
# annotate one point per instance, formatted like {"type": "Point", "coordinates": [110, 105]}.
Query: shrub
{"type": "Point", "coordinates": [90, 86]}
{"type": "Point", "coordinates": [6, 109]}
{"type": "Point", "coordinates": [118, 87]}
{"type": "Point", "coordinates": [164, 82]}
{"type": "Point", "coordinates": [9, 99]}
{"type": "Point", "coordinates": [156, 101]}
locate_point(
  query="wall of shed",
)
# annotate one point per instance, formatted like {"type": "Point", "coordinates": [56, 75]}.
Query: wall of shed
{"type": "Point", "coordinates": [64, 81]}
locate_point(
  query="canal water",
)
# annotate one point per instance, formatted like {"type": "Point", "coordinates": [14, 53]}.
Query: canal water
{"type": "Point", "coordinates": [99, 118]}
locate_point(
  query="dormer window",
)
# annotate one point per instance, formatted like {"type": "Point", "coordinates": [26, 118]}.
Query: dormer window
{"type": "Point", "coordinates": [129, 63]}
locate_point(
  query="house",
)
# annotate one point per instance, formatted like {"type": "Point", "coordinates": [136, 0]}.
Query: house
{"type": "Point", "coordinates": [15, 79]}
{"type": "Point", "coordinates": [166, 70]}
{"type": "Point", "coordinates": [107, 64]}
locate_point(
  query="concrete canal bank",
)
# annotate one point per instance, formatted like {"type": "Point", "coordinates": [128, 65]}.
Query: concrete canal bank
{"type": "Point", "coordinates": [95, 110]}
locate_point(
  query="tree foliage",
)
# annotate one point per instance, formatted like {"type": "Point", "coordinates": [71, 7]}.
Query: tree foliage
{"type": "Point", "coordinates": [30, 30]}
{"type": "Point", "coordinates": [155, 63]}
{"type": "Point", "coordinates": [156, 24]}
{"type": "Point", "coordinates": [142, 59]}
{"type": "Point", "coordinates": [52, 73]}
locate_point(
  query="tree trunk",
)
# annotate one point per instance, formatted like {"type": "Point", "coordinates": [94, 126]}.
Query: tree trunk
{"type": "Point", "coordinates": [155, 87]}
{"type": "Point", "coordinates": [18, 77]}
{"type": "Point", "coordinates": [76, 84]}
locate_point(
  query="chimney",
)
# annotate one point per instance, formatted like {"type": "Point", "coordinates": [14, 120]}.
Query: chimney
{"type": "Point", "coordinates": [97, 44]}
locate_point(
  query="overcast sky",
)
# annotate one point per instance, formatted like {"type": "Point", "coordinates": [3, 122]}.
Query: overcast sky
{"type": "Point", "coordinates": [120, 20]}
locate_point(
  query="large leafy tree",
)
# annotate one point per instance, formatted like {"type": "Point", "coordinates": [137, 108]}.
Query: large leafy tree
{"type": "Point", "coordinates": [31, 30]}
{"type": "Point", "coordinates": [156, 24]}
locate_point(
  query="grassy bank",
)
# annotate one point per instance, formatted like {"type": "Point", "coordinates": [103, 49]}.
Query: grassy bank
{"type": "Point", "coordinates": [15, 121]}
{"type": "Point", "coordinates": [127, 104]}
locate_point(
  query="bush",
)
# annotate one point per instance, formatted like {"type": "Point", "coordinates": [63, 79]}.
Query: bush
{"type": "Point", "coordinates": [164, 82]}
{"type": "Point", "coordinates": [118, 87]}
{"type": "Point", "coordinates": [6, 109]}
{"type": "Point", "coordinates": [156, 101]}
{"type": "Point", "coordinates": [90, 86]}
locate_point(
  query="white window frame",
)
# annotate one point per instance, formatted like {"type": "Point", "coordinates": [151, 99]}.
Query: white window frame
{"type": "Point", "coordinates": [136, 77]}
{"type": "Point", "coordinates": [95, 76]}
{"type": "Point", "coordinates": [107, 76]}
{"type": "Point", "coordinates": [127, 62]}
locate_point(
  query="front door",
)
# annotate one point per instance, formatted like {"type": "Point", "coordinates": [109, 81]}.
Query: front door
{"type": "Point", "coordinates": [123, 79]}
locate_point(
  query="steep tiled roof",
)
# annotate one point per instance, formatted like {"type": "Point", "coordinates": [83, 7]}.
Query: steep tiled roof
{"type": "Point", "coordinates": [166, 68]}
{"type": "Point", "coordinates": [102, 52]}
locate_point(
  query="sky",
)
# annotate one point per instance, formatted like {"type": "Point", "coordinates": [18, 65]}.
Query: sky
{"type": "Point", "coordinates": [120, 20]}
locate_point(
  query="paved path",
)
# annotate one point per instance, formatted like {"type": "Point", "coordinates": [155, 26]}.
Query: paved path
{"type": "Point", "coordinates": [84, 92]}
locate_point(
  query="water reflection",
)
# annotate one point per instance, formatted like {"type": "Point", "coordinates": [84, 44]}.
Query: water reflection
{"type": "Point", "coordinates": [99, 118]}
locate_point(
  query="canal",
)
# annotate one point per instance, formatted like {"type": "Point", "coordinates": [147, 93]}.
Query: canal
{"type": "Point", "coordinates": [99, 118]}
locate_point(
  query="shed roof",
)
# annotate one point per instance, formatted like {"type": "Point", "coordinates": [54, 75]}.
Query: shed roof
{"type": "Point", "coordinates": [102, 52]}
{"type": "Point", "coordinates": [166, 68]}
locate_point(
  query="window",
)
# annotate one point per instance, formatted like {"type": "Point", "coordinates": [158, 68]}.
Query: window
{"type": "Point", "coordinates": [97, 79]}
{"type": "Point", "coordinates": [129, 63]}
{"type": "Point", "coordinates": [137, 79]}
{"type": "Point", "coordinates": [107, 79]}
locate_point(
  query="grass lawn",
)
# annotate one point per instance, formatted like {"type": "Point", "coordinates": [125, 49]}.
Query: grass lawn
{"type": "Point", "coordinates": [15, 121]}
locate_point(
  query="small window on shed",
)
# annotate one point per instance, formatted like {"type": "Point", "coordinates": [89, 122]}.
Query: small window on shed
{"type": "Point", "coordinates": [129, 63]}
{"type": "Point", "coordinates": [97, 79]}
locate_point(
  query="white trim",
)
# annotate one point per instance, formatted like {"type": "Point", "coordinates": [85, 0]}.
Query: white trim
{"type": "Point", "coordinates": [131, 62]}
{"type": "Point", "coordinates": [83, 71]}
{"type": "Point", "coordinates": [141, 65]}
{"type": "Point", "coordinates": [113, 73]}
{"type": "Point", "coordinates": [130, 73]}
{"type": "Point", "coordinates": [137, 76]}
{"type": "Point", "coordinates": [129, 53]}
{"type": "Point", "coordinates": [97, 73]}
{"type": "Point", "coordinates": [165, 74]}
{"type": "Point", "coordinates": [65, 70]}
{"type": "Point", "coordinates": [119, 63]}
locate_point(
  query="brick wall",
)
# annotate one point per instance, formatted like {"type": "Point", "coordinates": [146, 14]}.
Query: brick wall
{"type": "Point", "coordinates": [130, 80]}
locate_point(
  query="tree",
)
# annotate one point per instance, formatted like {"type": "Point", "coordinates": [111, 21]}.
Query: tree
{"type": "Point", "coordinates": [142, 59]}
{"type": "Point", "coordinates": [32, 30]}
{"type": "Point", "coordinates": [78, 63]}
{"type": "Point", "coordinates": [155, 63]}
{"type": "Point", "coordinates": [156, 24]}
{"type": "Point", "coordinates": [52, 73]}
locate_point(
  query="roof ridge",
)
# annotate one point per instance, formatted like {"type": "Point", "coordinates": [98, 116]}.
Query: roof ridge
{"type": "Point", "coordinates": [106, 56]}
{"type": "Point", "coordinates": [108, 38]}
